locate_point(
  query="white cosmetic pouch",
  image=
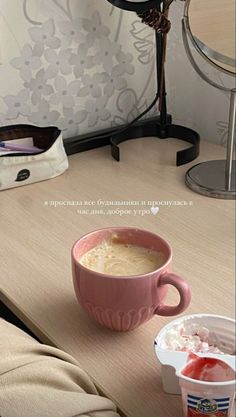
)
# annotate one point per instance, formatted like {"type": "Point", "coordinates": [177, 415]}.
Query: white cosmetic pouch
{"type": "Point", "coordinates": [20, 167]}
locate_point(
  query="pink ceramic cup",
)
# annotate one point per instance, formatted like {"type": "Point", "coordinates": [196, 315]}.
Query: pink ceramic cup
{"type": "Point", "coordinates": [125, 302]}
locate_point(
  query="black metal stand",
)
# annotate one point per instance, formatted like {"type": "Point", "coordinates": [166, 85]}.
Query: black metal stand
{"type": "Point", "coordinates": [160, 126]}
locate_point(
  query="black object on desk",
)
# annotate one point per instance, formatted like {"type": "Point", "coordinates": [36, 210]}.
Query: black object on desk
{"type": "Point", "coordinates": [154, 13]}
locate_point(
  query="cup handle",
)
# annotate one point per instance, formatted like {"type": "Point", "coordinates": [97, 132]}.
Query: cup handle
{"type": "Point", "coordinates": [184, 292]}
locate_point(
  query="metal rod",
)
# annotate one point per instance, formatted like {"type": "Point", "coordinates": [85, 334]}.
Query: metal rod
{"type": "Point", "coordinates": [230, 140]}
{"type": "Point", "coordinates": [161, 77]}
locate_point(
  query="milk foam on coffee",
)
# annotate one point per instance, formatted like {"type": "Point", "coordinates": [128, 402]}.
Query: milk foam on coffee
{"type": "Point", "coordinates": [114, 258]}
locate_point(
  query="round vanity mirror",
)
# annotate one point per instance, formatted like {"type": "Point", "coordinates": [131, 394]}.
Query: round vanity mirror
{"type": "Point", "coordinates": [210, 26]}
{"type": "Point", "coordinates": [212, 29]}
{"type": "Point", "coordinates": [135, 5]}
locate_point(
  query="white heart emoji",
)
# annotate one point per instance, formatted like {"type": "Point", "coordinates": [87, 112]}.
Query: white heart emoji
{"type": "Point", "coordinates": [154, 210]}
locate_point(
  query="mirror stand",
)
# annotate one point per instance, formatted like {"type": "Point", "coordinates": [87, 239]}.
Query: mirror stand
{"type": "Point", "coordinates": [217, 178]}
{"type": "Point", "coordinates": [214, 178]}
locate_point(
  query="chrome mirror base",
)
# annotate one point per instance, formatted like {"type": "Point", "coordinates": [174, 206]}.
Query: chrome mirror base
{"type": "Point", "coordinates": [210, 178]}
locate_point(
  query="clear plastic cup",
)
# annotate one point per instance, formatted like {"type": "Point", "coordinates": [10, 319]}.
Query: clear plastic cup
{"type": "Point", "coordinates": [206, 399]}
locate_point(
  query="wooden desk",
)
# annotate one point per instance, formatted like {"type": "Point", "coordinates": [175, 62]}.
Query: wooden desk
{"type": "Point", "coordinates": [36, 238]}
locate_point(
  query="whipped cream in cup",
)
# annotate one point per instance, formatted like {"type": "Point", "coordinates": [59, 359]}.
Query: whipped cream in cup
{"type": "Point", "coordinates": [191, 337]}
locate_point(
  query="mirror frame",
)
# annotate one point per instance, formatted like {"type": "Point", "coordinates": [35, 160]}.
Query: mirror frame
{"type": "Point", "coordinates": [197, 45]}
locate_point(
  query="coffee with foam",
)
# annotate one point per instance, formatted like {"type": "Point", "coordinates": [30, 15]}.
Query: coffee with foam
{"type": "Point", "coordinates": [121, 259]}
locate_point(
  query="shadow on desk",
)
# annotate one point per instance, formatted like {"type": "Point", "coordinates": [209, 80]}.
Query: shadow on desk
{"type": "Point", "coordinates": [7, 314]}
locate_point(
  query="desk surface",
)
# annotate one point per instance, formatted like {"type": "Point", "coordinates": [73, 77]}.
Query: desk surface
{"type": "Point", "coordinates": [37, 236]}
